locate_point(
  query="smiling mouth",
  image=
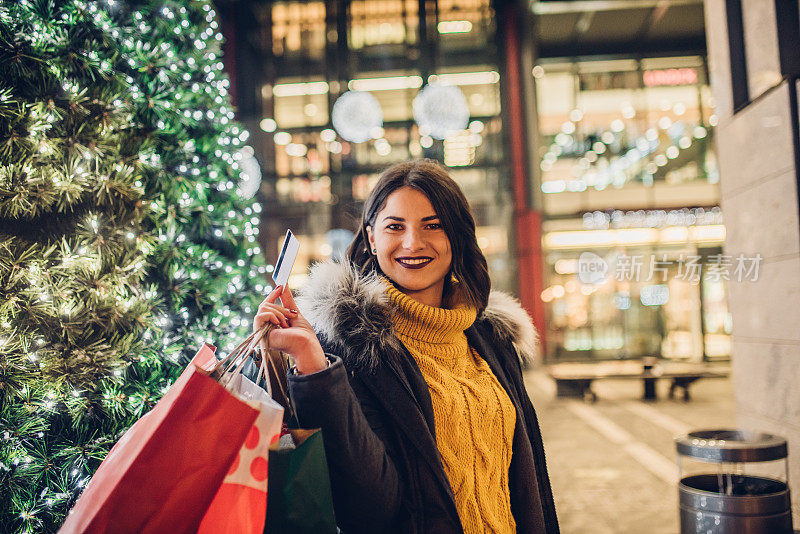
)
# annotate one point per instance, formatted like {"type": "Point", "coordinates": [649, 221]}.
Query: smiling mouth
{"type": "Point", "coordinates": [413, 263]}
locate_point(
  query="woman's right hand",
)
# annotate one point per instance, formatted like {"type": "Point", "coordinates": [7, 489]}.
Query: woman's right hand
{"type": "Point", "coordinates": [294, 334]}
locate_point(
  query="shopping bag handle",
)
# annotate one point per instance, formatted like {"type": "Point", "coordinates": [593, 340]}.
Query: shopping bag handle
{"type": "Point", "coordinates": [262, 373]}
{"type": "Point", "coordinates": [273, 364]}
{"type": "Point", "coordinates": [223, 368]}
{"type": "Point", "coordinates": [231, 365]}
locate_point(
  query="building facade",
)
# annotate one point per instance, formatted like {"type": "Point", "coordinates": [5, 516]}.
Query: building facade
{"type": "Point", "coordinates": [294, 61]}
{"type": "Point", "coordinates": [589, 138]}
{"type": "Point", "coordinates": [754, 58]}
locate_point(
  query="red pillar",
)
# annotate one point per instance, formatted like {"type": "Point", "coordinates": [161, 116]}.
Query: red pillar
{"type": "Point", "coordinates": [527, 221]}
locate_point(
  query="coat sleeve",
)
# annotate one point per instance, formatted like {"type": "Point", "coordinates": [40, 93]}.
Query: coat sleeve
{"type": "Point", "coordinates": [367, 489]}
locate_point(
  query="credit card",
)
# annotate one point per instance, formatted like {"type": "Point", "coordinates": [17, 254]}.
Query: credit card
{"type": "Point", "coordinates": [283, 267]}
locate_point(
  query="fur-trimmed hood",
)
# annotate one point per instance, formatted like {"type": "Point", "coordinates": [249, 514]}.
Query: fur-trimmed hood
{"type": "Point", "coordinates": [353, 313]}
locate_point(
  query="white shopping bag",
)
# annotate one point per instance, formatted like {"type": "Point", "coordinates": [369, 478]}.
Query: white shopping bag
{"type": "Point", "coordinates": [240, 505]}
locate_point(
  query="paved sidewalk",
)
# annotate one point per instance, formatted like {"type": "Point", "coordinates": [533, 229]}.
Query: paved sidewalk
{"type": "Point", "coordinates": [612, 464]}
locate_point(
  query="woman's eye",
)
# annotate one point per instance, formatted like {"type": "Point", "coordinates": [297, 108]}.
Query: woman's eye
{"type": "Point", "coordinates": [396, 226]}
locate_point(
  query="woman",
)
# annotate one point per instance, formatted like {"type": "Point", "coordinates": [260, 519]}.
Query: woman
{"type": "Point", "coordinates": [411, 367]}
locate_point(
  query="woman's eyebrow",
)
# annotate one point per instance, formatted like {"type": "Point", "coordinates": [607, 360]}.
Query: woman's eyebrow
{"type": "Point", "coordinates": [428, 218]}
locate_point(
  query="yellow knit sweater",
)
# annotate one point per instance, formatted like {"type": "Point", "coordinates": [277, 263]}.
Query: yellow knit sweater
{"type": "Point", "coordinates": [473, 415]}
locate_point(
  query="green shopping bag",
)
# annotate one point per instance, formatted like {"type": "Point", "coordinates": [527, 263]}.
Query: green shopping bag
{"type": "Point", "coordinates": [299, 492]}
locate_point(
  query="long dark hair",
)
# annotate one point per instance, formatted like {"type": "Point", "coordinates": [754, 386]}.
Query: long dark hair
{"type": "Point", "coordinates": [468, 263]}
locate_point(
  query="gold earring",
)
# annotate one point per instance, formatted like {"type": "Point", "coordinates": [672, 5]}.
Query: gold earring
{"type": "Point", "coordinates": [453, 279]}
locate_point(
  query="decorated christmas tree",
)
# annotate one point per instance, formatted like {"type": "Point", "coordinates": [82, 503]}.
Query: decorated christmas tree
{"type": "Point", "coordinates": [124, 240]}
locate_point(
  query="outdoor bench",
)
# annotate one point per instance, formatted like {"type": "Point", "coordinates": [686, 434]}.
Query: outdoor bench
{"type": "Point", "coordinates": [575, 379]}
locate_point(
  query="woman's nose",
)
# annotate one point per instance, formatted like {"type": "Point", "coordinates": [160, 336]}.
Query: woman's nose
{"type": "Point", "coordinates": [412, 240]}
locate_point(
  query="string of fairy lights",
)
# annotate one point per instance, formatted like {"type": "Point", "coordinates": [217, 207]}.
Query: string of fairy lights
{"type": "Point", "coordinates": [613, 161]}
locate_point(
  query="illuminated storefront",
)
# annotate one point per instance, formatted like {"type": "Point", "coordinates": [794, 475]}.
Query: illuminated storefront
{"type": "Point", "coordinates": [633, 231]}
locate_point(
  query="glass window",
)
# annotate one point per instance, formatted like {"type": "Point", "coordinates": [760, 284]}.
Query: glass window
{"type": "Point", "coordinates": [301, 154]}
{"type": "Point", "coordinates": [303, 190]}
{"type": "Point", "coordinates": [382, 152]}
{"type": "Point", "coordinates": [298, 29]}
{"type": "Point", "coordinates": [363, 184]}
{"type": "Point", "coordinates": [394, 91]}
{"type": "Point", "coordinates": [480, 85]}
{"type": "Point", "coordinates": [717, 321]}
{"type": "Point", "coordinates": [464, 24]}
{"type": "Point", "coordinates": [382, 23]}
{"type": "Point", "coordinates": [300, 102]}
{"type": "Point", "coordinates": [649, 310]}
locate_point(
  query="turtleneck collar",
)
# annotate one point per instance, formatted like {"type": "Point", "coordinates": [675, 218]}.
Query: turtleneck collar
{"type": "Point", "coordinates": [428, 324]}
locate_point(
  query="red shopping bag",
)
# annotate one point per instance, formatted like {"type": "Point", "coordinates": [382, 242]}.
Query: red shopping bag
{"type": "Point", "coordinates": [166, 469]}
{"type": "Point", "coordinates": [240, 505]}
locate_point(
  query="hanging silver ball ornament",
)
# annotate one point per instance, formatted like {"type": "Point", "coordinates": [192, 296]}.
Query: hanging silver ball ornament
{"type": "Point", "coordinates": [356, 115]}
{"type": "Point", "coordinates": [250, 174]}
{"type": "Point", "coordinates": [440, 110]}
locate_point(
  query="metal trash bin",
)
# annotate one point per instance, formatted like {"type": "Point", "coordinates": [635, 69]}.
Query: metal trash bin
{"type": "Point", "coordinates": [745, 491]}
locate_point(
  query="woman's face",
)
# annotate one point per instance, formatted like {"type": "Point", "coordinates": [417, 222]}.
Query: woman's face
{"type": "Point", "coordinates": [412, 247]}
